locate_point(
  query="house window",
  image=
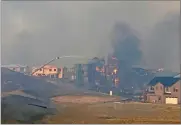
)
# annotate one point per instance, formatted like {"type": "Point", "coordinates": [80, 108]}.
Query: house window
{"type": "Point", "coordinates": [159, 98]}
{"type": "Point", "coordinates": [167, 89]}
{"type": "Point", "coordinates": [50, 70]}
{"type": "Point", "coordinates": [55, 69]}
{"type": "Point", "coordinates": [152, 88]}
{"type": "Point", "coordinates": [160, 87]}
{"type": "Point", "coordinates": [40, 69]}
{"type": "Point", "coordinates": [156, 88]}
{"type": "Point", "coordinates": [175, 90]}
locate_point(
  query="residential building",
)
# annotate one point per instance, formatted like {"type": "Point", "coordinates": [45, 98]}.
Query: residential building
{"type": "Point", "coordinates": [48, 70]}
{"type": "Point", "coordinates": [69, 73]}
{"type": "Point", "coordinates": [18, 68]}
{"type": "Point", "coordinates": [164, 90]}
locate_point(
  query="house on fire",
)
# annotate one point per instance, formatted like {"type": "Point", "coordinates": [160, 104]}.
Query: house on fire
{"type": "Point", "coordinates": [164, 90]}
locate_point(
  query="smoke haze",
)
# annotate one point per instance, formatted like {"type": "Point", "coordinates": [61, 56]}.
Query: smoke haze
{"type": "Point", "coordinates": [163, 47]}
{"type": "Point", "coordinates": [35, 32]}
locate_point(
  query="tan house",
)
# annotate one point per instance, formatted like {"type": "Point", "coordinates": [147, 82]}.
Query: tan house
{"type": "Point", "coordinates": [164, 90]}
{"type": "Point", "coordinates": [48, 70]}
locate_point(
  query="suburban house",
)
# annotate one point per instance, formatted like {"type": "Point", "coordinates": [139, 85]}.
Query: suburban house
{"type": "Point", "coordinates": [164, 90]}
{"type": "Point", "coordinates": [48, 70]}
{"type": "Point", "coordinates": [18, 68]}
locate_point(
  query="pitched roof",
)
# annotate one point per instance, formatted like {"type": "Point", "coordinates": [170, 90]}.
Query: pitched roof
{"type": "Point", "coordinates": [166, 81]}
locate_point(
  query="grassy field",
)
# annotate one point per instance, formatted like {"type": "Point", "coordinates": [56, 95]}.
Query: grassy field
{"type": "Point", "coordinates": [111, 112]}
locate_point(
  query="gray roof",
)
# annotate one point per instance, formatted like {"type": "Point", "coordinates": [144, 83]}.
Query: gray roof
{"type": "Point", "coordinates": [166, 81]}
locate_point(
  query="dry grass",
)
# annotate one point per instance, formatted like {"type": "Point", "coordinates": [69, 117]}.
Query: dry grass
{"type": "Point", "coordinates": [80, 99]}
{"type": "Point", "coordinates": [110, 113]}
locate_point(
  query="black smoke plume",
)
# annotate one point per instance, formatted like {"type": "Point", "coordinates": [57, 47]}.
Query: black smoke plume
{"type": "Point", "coordinates": [126, 44]}
{"type": "Point", "coordinates": [126, 49]}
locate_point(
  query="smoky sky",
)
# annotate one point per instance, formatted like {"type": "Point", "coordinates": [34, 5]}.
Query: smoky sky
{"type": "Point", "coordinates": [163, 47]}
{"type": "Point", "coordinates": [35, 32]}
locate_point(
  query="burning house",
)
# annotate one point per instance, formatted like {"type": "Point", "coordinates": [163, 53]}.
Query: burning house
{"type": "Point", "coordinates": [126, 53]}
{"type": "Point", "coordinates": [95, 71]}
{"type": "Point", "coordinates": [48, 70]}
{"type": "Point", "coordinates": [112, 70]}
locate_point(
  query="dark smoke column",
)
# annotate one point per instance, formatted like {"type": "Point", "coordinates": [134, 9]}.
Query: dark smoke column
{"type": "Point", "coordinates": [126, 49]}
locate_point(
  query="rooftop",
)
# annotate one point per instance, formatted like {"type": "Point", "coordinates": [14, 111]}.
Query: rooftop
{"type": "Point", "coordinates": [166, 81]}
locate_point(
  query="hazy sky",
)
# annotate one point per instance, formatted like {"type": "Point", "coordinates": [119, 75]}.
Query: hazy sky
{"type": "Point", "coordinates": [35, 32]}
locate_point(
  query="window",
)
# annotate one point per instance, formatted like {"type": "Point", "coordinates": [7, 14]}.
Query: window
{"type": "Point", "coordinates": [175, 89]}
{"type": "Point", "coordinates": [167, 89]}
{"type": "Point", "coordinates": [40, 69]}
{"type": "Point", "coordinates": [156, 88]}
{"type": "Point", "coordinates": [152, 88]}
{"type": "Point", "coordinates": [159, 98]}
{"type": "Point", "coordinates": [50, 70]}
{"type": "Point", "coordinates": [55, 69]}
{"type": "Point", "coordinates": [161, 87]}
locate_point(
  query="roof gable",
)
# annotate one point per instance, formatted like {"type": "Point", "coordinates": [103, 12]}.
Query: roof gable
{"type": "Point", "coordinates": [166, 81]}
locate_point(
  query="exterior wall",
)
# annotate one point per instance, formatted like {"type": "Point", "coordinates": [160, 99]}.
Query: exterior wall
{"type": "Point", "coordinates": [159, 94]}
{"type": "Point", "coordinates": [152, 98]}
{"type": "Point", "coordinates": [159, 89]}
{"type": "Point", "coordinates": [68, 73]}
{"type": "Point", "coordinates": [174, 93]}
{"type": "Point", "coordinates": [156, 94]}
